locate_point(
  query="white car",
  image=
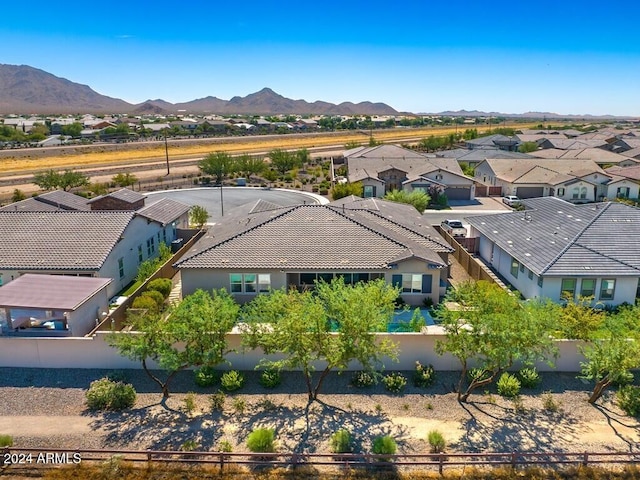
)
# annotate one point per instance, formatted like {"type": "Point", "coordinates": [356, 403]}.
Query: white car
{"type": "Point", "coordinates": [511, 200]}
{"type": "Point", "coordinates": [454, 228]}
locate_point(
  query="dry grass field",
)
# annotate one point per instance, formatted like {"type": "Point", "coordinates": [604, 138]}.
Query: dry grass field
{"type": "Point", "coordinates": [22, 162]}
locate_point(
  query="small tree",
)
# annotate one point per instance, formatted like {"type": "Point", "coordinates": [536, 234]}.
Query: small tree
{"type": "Point", "coordinates": [336, 324]}
{"type": "Point", "coordinates": [283, 161]}
{"type": "Point", "coordinates": [483, 330]}
{"type": "Point", "coordinates": [527, 147]}
{"type": "Point", "coordinates": [418, 198]}
{"type": "Point", "coordinates": [341, 190]}
{"type": "Point", "coordinates": [70, 179]}
{"type": "Point", "coordinates": [49, 180]}
{"type": "Point", "coordinates": [194, 334]}
{"type": "Point", "coordinates": [18, 195]}
{"type": "Point", "coordinates": [198, 216]}
{"type": "Point", "coordinates": [219, 165]}
{"type": "Point", "coordinates": [609, 360]}
{"type": "Point", "coordinates": [124, 179]}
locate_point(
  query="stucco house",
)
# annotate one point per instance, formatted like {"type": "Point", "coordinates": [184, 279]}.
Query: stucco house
{"type": "Point", "coordinates": [388, 167]}
{"type": "Point", "coordinates": [555, 249]}
{"type": "Point", "coordinates": [52, 305]}
{"type": "Point", "coordinates": [41, 237]}
{"type": "Point", "coordinates": [263, 246]}
{"type": "Point", "coordinates": [577, 180]}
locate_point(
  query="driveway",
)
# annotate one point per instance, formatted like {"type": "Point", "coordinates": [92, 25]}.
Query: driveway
{"type": "Point", "coordinates": [215, 201]}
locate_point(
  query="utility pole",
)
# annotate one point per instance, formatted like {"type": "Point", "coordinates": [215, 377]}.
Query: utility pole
{"type": "Point", "coordinates": [166, 149]}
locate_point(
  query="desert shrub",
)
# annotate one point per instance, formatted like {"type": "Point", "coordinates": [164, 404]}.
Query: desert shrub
{"type": "Point", "coordinates": [162, 285]}
{"type": "Point", "coordinates": [205, 376]}
{"type": "Point", "coordinates": [394, 382]}
{"type": "Point", "coordinates": [385, 445]}
{"type": "Point", "coordinates": [423, 376]}
{"type": "Point", "coordinates": [239, 405]}
{"type": "Point", "coordinates": [232, 380]}
{"type": "Point", "coordinates": [549, 403]}
{"type": "Point", "coordinates": [529, 377]}
{"type": "Point", "coordinates": [225, 446]}
{"type": "Point", "coordinates": [217, 401]}
{"type": "Point", "coordinates": [190, 402]}
{"type": "Point", "coordinates": [189, 446]}
{"type": "Point", "coordinates": [145, 302]}
{"type": "Point", "coordinates": [477, 374]}
{"type": "Point", "coordinates": [508, 385]}
{"type": "Point", "coordinates": [261, 440]}
{"type": "Point", "coordinates": [436, 441]}
{"type": "Point", "coordinates": [6, 441]}
{"type": "Point", "coordinates": [363, 379]}
{"type": "Point", "coordinates": [270, 378]}
{"type": "Point", "coordinates": [105, 394]}
{"type": "Point", "coordinates": [341, 441]}
{"type": "Point", "coordinates": [156, 296]}
{"type": "Point", "coordinates": [629, 400]}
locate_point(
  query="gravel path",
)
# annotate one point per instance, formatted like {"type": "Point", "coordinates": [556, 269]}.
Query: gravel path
{"type": "Point", "coordinates": [45, 408]}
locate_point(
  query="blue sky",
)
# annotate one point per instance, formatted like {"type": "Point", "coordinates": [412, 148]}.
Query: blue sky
{"type": "Point", "coordinates": [421, 56]}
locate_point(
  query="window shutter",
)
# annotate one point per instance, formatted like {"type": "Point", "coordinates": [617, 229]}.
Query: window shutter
{"type": "Point", "coordinates": [426, 283]}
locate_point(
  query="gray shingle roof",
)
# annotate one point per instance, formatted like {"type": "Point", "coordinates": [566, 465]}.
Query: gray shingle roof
{"type": "Point", "coordinates": [557, 238]}
{"type": "Point", "coordinates": [60, 240]}
{"type": "Point", "coordinates": [123, 194]}
{"type": "Point", "coordinates": [29, 205]}
{"type": "Point", "coordinates": [321, 237]}
{"type": "Point", "coordinates": [164, 211]}
{"type": "Point", "coordinates": [64, 200]}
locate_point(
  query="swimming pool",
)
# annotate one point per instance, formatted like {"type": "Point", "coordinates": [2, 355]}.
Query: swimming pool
{"type": "Point", "coordinates": [401, 319]}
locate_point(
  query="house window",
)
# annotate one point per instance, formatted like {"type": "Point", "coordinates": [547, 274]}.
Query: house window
{"type": "Point", "coordinates": [540, 281]}
{"type": "Point", "coordinates": [514, 267]}
{"type": "Point", "coordinates": [568, 288]}
{"type": "Point", "coordinates": [561, 192]}
{"type": "Point", "coordinates": [575, 193]}
{"type": "Point", "coordinates": [583, 193]}
{"type": "Point", "coordinates": [439, 176]}
{"type": "Point", "coordinates": [151, 246]}
{"type": "Point", "coordinates": [164, 235]}
{"type": "Point", "coordinates": [412, 282]}
{"type": "Point", "coordinates": [140, 257]}
{"type": "Point", "coordinates": [637, 288]}
{"type": "Point", "coordinates": [249, 282]}
{"type": "Point", "coordinates": [623, 192]}
{"type": "Point", "coordinates": [522, 268]}
{"type": "Point", "coordinates": [530, 274]}
{"type": "Point", "coordinates": [369, 191]}
{"type": "Point", "coordinates": [588, 287]}
{"type": "Point", "coordinates": [121, 267]}
{"type": "Point", "coordinates": [607, 288]}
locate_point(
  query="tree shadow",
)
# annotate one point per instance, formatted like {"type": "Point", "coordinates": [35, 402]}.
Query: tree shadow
{"type": "Point", "coordinates": [515, 430]}
{"type": "Point", "coordinates": [616, 423]}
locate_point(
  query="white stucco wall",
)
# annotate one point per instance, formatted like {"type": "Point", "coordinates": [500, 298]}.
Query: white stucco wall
{"type": "Point", "coordinates": [83, 320]}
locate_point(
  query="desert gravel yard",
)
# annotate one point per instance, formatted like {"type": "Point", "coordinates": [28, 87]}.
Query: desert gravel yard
{"type": "Point", "coordinates": [45, 408]}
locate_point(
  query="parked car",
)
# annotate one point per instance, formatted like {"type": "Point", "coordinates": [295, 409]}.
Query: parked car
{"type": "Point", "coordinates": [454, 228]}
{"type": "Point", "coordinates": [511, 200]}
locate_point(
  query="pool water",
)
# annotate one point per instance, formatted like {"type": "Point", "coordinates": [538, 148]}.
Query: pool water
{"type": "Point", "coordinates": [401, 319]}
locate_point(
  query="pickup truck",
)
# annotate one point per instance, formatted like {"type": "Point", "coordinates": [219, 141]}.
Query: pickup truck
{"type": "Point", "coordinates": [454, 228]}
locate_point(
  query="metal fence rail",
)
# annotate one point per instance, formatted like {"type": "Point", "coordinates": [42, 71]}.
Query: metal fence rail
{"type": "Point", "coordinates": [49, 457]}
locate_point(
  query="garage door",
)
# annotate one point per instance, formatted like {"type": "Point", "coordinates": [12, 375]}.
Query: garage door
{"type": "Point", "coordinates": [530, 192]}
{"type": "Point", "coordinates": [458, 193]}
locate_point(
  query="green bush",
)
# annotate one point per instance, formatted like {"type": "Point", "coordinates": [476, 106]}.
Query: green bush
{"type": "Point", "coordinates": [270, 378]}
{"type": "Point", "coordinates": [162, 285]}
{"type": "Point", "coordinates": [155, 296]}
{"type": "Point", "coordinates": [436, 441]}
{"type": "Point", "coordinates": [629, 400]}
{"type": "Point", "coordinates": [261, 440]}
{"type": "Point", "coordinates": [145, 303]}
{"type": "Point", "coordinates": [477, 374]}
{"type": "Point", "coordinates": [217, 401]}
{"type": "Point", "coordinates": [225, 446]}
{"type": "Point", "coordinates": [190, 402]}
{"type": "Point", "coordinates": [205, 376]}
{"type": "Point", "coordinates": [232, 380]}
{"type": "Point", "coordinates": [6, 441]}
{"type": "Point", "coordinates": [549, 403]}
{"type": "Point", "coordinates": [529, 377]}
{"type": "Point", "coordinates": [341, 442]}
{"type": "Point", "coordinates": [394, 382]}
{"type": "Point", "coordinates": [423, 376]}
{"type": "Point", "coordinates": [385, 445]}
{"type": "Point", "coordinates": [363, 379]}
{"type": "Point", "coordinates": [105, 394]}
{"type": "Point", "coordinates": [508, 385]}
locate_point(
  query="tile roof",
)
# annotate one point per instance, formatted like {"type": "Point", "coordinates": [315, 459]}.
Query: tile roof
{"type": "Point", "coordinates": [59, 240]}
{"type": "Point", "coordinates": [479, 154]}
{"type": "Point", "coordinates": [320, 237]}
{"type": "Point", "coordinates": [632, 172]}
{"type": "Point", "coordinates": [163, 211]}
{"type": "Point", "coordinates": [123, 194]}
{"type": "Point", "coordinates": [598, 155]}
{"type": "Point", "coordinates": [50, 292]}
{"type": "Point", "coordinates": [556, 238]}
{"type": "Point", "coordinates": [29, 205]}
{"type": "Point", "coordinates": [511, 170]}
{"type": "Point", "coordinates": [50, 201]}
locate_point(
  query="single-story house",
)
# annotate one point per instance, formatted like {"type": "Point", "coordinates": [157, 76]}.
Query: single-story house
{"type": "Point", "coordinates": [555, 249]}
{"type": "Point", "coordinates": [477, 155]}
{"type": "Point", "coordinates": [262, 247]}
{"type": "Point", "coordinates": [52, 305]}
{"type": "Point", "coordinates": [498, 141]}
{"type": "Point", "coordinates": [577, 180]}
{"type": "Point", "coordinates": [388, 167]}
{"type": "Point", "coordinates": [598, 155]}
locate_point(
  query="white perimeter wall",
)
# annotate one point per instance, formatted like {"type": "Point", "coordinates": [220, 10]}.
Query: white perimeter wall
{"type": "Point", "coordinates": [96, 353]}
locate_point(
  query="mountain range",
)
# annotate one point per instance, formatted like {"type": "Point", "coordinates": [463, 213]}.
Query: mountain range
{"type": "Point", "coordinates": [24, 90]}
